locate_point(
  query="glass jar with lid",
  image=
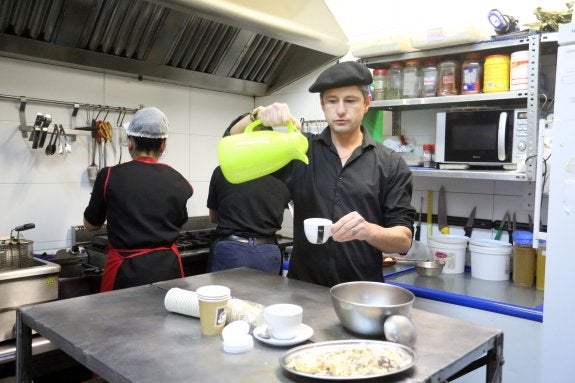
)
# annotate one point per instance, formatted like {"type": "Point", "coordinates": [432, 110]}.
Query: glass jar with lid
{"type": "Point", "coordinates": [429, 83]}
{"type": "Point", "coordinates": [379, 84]}
{"type": "Point", "coordinates": [411, 80]}
{"type": "Point", "coordinates": [395, 81]}
{"type": "Point", "coordinates": [471, 72]}
{"type": "Point", "coordinates": [448, 79]}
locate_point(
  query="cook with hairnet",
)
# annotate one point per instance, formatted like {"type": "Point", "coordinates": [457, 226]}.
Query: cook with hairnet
{"type": "Point", "coordinates": [143, 203]}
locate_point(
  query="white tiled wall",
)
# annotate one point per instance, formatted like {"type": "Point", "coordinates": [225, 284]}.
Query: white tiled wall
{"type": "Point", "coordinates": [52, 191]}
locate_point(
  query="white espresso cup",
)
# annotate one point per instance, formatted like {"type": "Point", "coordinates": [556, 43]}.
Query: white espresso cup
{"type": "Point", "coordinates": [317, 230]}
{"type": "Point", "coordinates": [283, 320]}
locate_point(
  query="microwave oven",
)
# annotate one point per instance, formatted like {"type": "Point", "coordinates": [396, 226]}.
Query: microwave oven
{"type": "Point", "coordinates": [481, 138]}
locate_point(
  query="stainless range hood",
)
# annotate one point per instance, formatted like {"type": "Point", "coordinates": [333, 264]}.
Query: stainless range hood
{"type": "Point", "coordinates": [249, 47]}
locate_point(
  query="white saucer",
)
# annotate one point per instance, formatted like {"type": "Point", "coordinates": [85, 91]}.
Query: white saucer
{"type": "Point", "coordinates": [304, 333]}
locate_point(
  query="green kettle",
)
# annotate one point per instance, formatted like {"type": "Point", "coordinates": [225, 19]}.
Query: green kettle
{"type": "Point", "coordinates": [250, 155]}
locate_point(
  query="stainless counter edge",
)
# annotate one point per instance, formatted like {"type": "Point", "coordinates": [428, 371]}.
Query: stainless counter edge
{"type": "Point", "coordinates": [529, 313]}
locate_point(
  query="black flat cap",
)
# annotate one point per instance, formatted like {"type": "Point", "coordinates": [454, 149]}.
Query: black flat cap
{"type": "Point", "coordinates": [342, 74]}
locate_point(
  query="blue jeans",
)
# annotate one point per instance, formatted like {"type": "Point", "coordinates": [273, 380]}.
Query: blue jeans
{"type": "Point", "coordinates": [226, 255]}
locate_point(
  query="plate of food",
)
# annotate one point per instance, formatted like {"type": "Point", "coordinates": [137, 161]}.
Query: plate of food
{"type": "Point", "coordinates": [348, 359]}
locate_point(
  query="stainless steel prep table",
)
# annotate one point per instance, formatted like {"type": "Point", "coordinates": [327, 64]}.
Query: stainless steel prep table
{"type": "Point", "coordinates": [128, 336]}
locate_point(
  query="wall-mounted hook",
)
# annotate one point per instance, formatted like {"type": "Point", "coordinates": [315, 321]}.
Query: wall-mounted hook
{"type": "Point", "coordinates": [107, 108]}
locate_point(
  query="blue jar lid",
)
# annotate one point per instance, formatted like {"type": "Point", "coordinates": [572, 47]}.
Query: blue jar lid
{"type": "Point", "coordinates": [522, 238]}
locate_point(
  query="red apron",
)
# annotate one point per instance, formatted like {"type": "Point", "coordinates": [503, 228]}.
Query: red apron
{"type": "Point", "coordinates": [115, 260]}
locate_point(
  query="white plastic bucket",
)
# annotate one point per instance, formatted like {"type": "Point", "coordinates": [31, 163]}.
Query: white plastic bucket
{"type": "Point", "coordinates": [489, 243]}
{"type": "Point", "coordinates": [519, 70]}
{"type": "Point", "coordinates": [490, 263]}
{"type": "Point", "coordinates": [452, 253]}
{"type": "Point", "coordinates": [450, 238]}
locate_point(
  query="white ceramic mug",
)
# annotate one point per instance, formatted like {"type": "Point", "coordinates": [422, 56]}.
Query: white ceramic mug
{"type": "Point", "coordinates": [317, 230]}
{"type": "Point", "coordinates": [283, 320]}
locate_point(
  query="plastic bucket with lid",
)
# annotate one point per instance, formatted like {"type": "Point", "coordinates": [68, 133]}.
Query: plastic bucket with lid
{"type": "Point", "coordinates": [489, 243]}
{"type": "Point", "coordinates": [519, 70]}
{"type": "Point", "coordinates": [496, 73]}
{"type": "Point", "coordinates": [449, 249]}
{"type": "Point", "coordinates": [492, 263]}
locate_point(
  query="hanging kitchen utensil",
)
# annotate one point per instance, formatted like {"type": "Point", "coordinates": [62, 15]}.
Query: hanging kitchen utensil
{"type": "Point", "coordinates": [442, 212]}
{"type": "Point", "coordinates": [44, 132]}
{"type": "Point", "coordinates": [93, 168]}
{"type": "Point", "coordinates": [429, 213]}
{"type": "Point", "coordinates": [63, 145]}
{"type": "Point", "coordinates": [122, 136]}
{"type": "Point", "coordinates": [37, 123]}
{"type": "Point", "coordinates": [468, 229]}
{"type": "Point", "coordinates": [51, 147]}
{"type": "Point", "coordinates": [38, 132]}
{"type": "Point", "coordinates": [501, 226]}
{"type": "Point", "coordinates": [418, 227]}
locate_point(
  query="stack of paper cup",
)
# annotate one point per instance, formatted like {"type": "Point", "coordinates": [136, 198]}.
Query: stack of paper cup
{"type": "Point", "coordinates": [213, 301]}
{"type": "Point", "coordinates": [182, 302]}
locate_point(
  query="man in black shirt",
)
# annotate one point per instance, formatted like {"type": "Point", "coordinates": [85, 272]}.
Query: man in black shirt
{"type": "Point", "coordinates": [362, 186]}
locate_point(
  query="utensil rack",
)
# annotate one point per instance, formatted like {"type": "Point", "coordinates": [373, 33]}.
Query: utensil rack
{"type": "Point", "coordinates": [24, 128]}
{"type": "Point", "coordinates": [313, 126]}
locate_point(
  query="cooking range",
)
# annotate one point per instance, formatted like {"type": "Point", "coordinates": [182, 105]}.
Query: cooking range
{"type": "Point", "coordinates": [193, 243]}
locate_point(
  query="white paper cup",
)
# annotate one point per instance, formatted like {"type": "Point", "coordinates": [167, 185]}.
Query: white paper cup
{"type": "Point", "coordinates": [213, 301]}
{"type": "Point", "coordinates": [317, 230]}
{"type": "Point", "coordinates": [283, 320]}
{"type": "Point", "coordinates": [182, 302]}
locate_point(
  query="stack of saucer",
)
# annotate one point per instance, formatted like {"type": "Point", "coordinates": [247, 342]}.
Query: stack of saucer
{"type": "Point", "coordinates": [237, 338]}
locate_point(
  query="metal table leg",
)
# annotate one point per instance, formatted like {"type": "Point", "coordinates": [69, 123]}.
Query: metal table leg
{"type": "Point", "coordinates": [23, 350]}
{"type": "Point", "coordinates": [494, 370]}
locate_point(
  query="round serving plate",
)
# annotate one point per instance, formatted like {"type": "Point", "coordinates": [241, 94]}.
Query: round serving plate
{"type": "Point", "coordinates": [314, 360]}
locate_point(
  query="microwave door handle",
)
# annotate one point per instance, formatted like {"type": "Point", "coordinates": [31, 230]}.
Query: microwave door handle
{"type": "Point", "coordinates": [501, 136]}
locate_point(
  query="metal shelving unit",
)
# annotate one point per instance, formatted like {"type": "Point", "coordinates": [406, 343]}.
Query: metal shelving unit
{"type": "Point", "coordinates": [537, 44]}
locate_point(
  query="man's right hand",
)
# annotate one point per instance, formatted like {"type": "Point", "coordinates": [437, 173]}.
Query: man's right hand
{"type": "Point", "coordinates": [277, 114]}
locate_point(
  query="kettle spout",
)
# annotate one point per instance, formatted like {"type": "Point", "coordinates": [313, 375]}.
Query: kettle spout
{"type": "Point", "coordinates": [302, 157]}
{"type": "Point", "coordinates": [301, 148]}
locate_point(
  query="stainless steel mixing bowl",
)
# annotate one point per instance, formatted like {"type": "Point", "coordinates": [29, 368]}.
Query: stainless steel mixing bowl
{"type": "Point", "coordinates": [362, 307]}
{"type": "Point", "coordinates": [429, 268]}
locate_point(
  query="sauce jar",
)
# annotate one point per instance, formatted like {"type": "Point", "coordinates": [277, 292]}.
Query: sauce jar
{"type": "Point", "coordinates": [394, 81]}
{"type": "Point", "coordinates": [448, 78]}
{"type": "Point", "coordinates": [540, 265]}
{"type": "Point", "coordinates": [428, 155]}
{"type": "Point", "coordinates": [471, 71]}
{"type": "Point", "coordinates": [523, 258]}
{"type": "Point", "coordinates": [379, 84]}
{"type": "Point", "coordinates": [411, 80]}
{"type": "Point", "coordinates": [429, 86]}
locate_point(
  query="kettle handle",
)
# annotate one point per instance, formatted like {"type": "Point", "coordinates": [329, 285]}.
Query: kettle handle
{"type": "Point", "coordinates": [249, 129]}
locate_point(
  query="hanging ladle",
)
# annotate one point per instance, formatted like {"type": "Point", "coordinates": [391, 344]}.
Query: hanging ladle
{"type": "Point", "coordinates": [51, 147]}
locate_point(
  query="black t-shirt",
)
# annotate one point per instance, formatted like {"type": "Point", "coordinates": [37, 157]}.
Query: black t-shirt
{"type": "Point", "coordinates": [143, 202]}
{"type": "Point", "coordinates": [375, 181]}
{"type": "Point", "coordinates": [253, 208]}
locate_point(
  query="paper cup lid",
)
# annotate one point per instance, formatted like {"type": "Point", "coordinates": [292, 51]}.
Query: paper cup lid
{"type": "Point", "coordinates": [213, 292]}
